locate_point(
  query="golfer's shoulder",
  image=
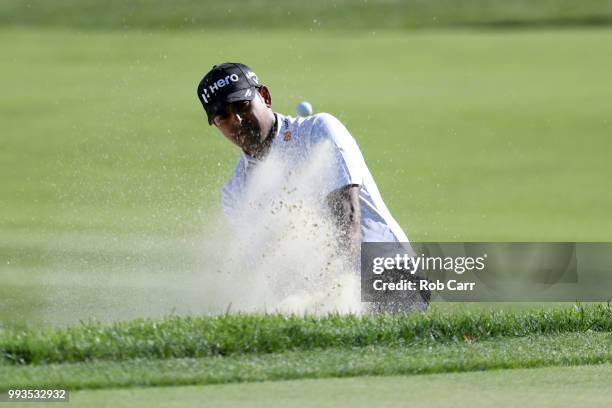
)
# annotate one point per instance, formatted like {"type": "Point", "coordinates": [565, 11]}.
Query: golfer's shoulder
{"type": "Point", "coordinates": [324, 122]}
{"type": "Point", "coordinates": [323, 126]}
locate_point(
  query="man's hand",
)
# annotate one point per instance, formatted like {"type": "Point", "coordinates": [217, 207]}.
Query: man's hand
{"type": "Point", "coordinates": [344, 206]}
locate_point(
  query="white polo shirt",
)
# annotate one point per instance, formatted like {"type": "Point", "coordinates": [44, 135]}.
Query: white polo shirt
{"type": "Point", "coordinates": [298, 142]}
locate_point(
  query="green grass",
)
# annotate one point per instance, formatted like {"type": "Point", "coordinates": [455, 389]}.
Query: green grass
{"type": "Point", "coordinates": [476, 137]}
{"type": "Point", "coordinates": [459, 356]}
{"type": "Point", "coordinates": [553, 387]}
{"type": "Point", "coordinates": [243, 334]}
{"type": "Point", "coordinates": [316, 15]}
{"type": "Point", "coordinates": [111, 175]}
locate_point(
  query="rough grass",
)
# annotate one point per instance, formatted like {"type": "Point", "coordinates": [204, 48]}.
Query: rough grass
{"type": "Point", "coordinates": [318, 14]}
{"type": "Point", "coordinates": [460, 356]}
{"type": "Point", "coordinates": [178, 337]}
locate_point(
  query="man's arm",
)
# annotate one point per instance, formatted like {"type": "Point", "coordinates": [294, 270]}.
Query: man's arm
{"type": "Point", "coordinates": [344, 206]}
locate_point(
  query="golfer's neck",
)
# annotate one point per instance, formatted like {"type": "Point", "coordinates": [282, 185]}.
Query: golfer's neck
{"type": "Point", "coordinates": [264, 146]}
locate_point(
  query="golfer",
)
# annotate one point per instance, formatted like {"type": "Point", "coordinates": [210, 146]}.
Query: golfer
{"type": "Point", "coordinates": [240, 107]}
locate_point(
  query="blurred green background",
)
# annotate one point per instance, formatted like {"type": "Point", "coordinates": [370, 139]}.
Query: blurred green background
{"type": "Point", "coordinates": [342, 14]}
{"type": "Point", "coordinates": [481, 120]}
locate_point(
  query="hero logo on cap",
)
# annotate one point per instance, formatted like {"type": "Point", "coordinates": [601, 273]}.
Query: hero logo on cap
{"type": "Point", "coordinates": [226, 83]}
{"type": "Point", "coordinates": [219, 84]}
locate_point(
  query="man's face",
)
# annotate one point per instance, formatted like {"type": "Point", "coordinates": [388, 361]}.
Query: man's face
{"type": "Point", "coordinates": [247, 123]}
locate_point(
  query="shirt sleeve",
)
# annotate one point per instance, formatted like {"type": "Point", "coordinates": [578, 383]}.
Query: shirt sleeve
{"type": "Point", "coordinates": [347, 161]}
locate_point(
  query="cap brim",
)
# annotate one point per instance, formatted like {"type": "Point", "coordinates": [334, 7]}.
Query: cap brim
{"type": "Point", "coordinates": [247, 94]}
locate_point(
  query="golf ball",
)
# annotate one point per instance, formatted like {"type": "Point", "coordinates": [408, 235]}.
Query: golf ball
{"type": "Point", "coordinates": [303, 109]}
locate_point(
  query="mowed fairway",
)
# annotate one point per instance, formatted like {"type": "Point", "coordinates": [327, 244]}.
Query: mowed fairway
{"type": "Point", "coordinates": [110, 172]}
{"type": "Point", "coordinates": [542, 387]}
{"type": "Point", "coordinates": [471, 135]}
